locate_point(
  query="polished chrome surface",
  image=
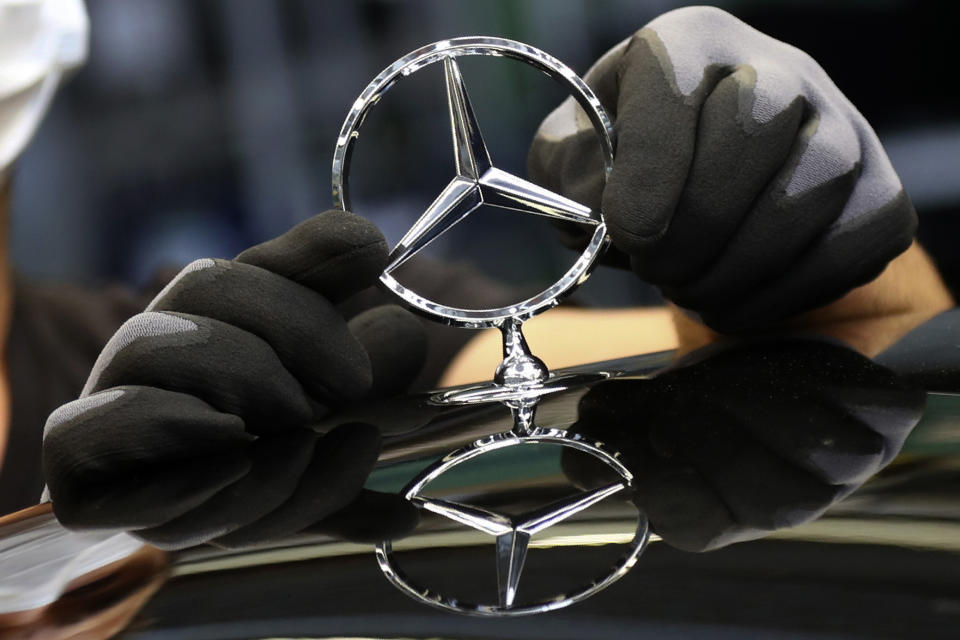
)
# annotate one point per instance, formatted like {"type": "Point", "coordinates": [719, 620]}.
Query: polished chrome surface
{"type": "Point", "coordinates": [476, 181]}
{"type": "Point", "coordinates": [513, 533]}
{"type": "Point", "coordinates": [482, 393]}
{"type": "Point", "coordinates": [519, 368]}
{"type": "Point", "coordinates": [521, 378]}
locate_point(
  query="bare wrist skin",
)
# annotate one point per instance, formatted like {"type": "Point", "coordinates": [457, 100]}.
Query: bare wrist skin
{"type": "Point", "coordinates": [869, 318]}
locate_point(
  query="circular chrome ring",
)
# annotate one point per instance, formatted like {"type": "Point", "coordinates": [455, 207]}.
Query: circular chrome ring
{"type": "Point", "coordinates": [384, 550]}
{"type": "Point", "coordinates": [484, 46]}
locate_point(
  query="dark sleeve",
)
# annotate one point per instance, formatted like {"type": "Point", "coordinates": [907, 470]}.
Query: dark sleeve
{"type": "Point", "coordinates": [56, 334]}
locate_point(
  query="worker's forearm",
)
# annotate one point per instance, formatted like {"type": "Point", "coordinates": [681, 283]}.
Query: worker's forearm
{"type": "Point", "coordinates": [870, 318]}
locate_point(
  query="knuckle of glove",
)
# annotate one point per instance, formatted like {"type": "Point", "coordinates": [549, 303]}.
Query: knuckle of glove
{"type": "Point", "coordinates": [142, 326]}
{"type": "Point", "coordinates": [305, 330]}
{"type": "Point", "coordinates": [103, 450]}
{"type": "Point", "coordinates": [335, 253]}
{"type": "Point", "coordinates": [166, 422]}
{"type": "Point", "coordinates": [233, 370]}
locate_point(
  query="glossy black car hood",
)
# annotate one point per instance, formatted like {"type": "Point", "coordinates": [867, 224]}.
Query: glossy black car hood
{"type": "Point", "coordinates": [842, 473]}
{"type": "Point", "coordinates": [795, 489]}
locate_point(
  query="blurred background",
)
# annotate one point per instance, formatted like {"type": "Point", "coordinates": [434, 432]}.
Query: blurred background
{"type": "Point", "coordinates": [200, 127]}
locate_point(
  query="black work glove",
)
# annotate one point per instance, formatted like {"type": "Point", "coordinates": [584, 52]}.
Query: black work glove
{"type": "Point", "coordinates": [737, 441]}
{"type": "Point", "coordinates": [745, 185]}
{"type": "Point", "coordinates": [196, 421]}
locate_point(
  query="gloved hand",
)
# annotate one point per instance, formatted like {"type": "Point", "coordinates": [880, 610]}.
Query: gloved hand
{"type": "Point", "coordinates": [737, 440]}
{"type": "Point", "coordinates": [196, 404]}
{"type": "Point", "coordinates": [745, 185]}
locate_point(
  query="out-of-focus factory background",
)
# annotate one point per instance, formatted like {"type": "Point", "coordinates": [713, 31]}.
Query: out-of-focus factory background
{"type": "Point", "coordinates": [198, 128]}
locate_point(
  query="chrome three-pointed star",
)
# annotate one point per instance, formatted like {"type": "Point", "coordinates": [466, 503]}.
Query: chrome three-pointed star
{"type": "Point", "coordinates": [513, 533]}
{"type": "Point", "coordinates": [478, 182]}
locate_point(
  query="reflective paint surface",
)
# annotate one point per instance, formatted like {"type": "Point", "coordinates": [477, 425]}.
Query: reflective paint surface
{"type": "Point", "coordinates": [855, 546]}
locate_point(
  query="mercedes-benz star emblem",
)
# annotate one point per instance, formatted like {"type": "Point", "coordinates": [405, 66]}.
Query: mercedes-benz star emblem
{"type": "Point", "coordinates": [476, 180]}
{"type": "Point", "coordinates": [512, 533]}
{"type": "Point", "coordinates": [522, 378]}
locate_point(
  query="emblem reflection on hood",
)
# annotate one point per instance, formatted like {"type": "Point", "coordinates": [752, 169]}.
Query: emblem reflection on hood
{"type": "Point", "coordinates": [512, 533]}
{"type": "Point", "coordinates": [522, 378]}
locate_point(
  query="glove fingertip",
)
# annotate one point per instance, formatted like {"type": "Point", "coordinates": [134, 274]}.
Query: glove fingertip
{"type": "Point", "coordinates": [335, 253]}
